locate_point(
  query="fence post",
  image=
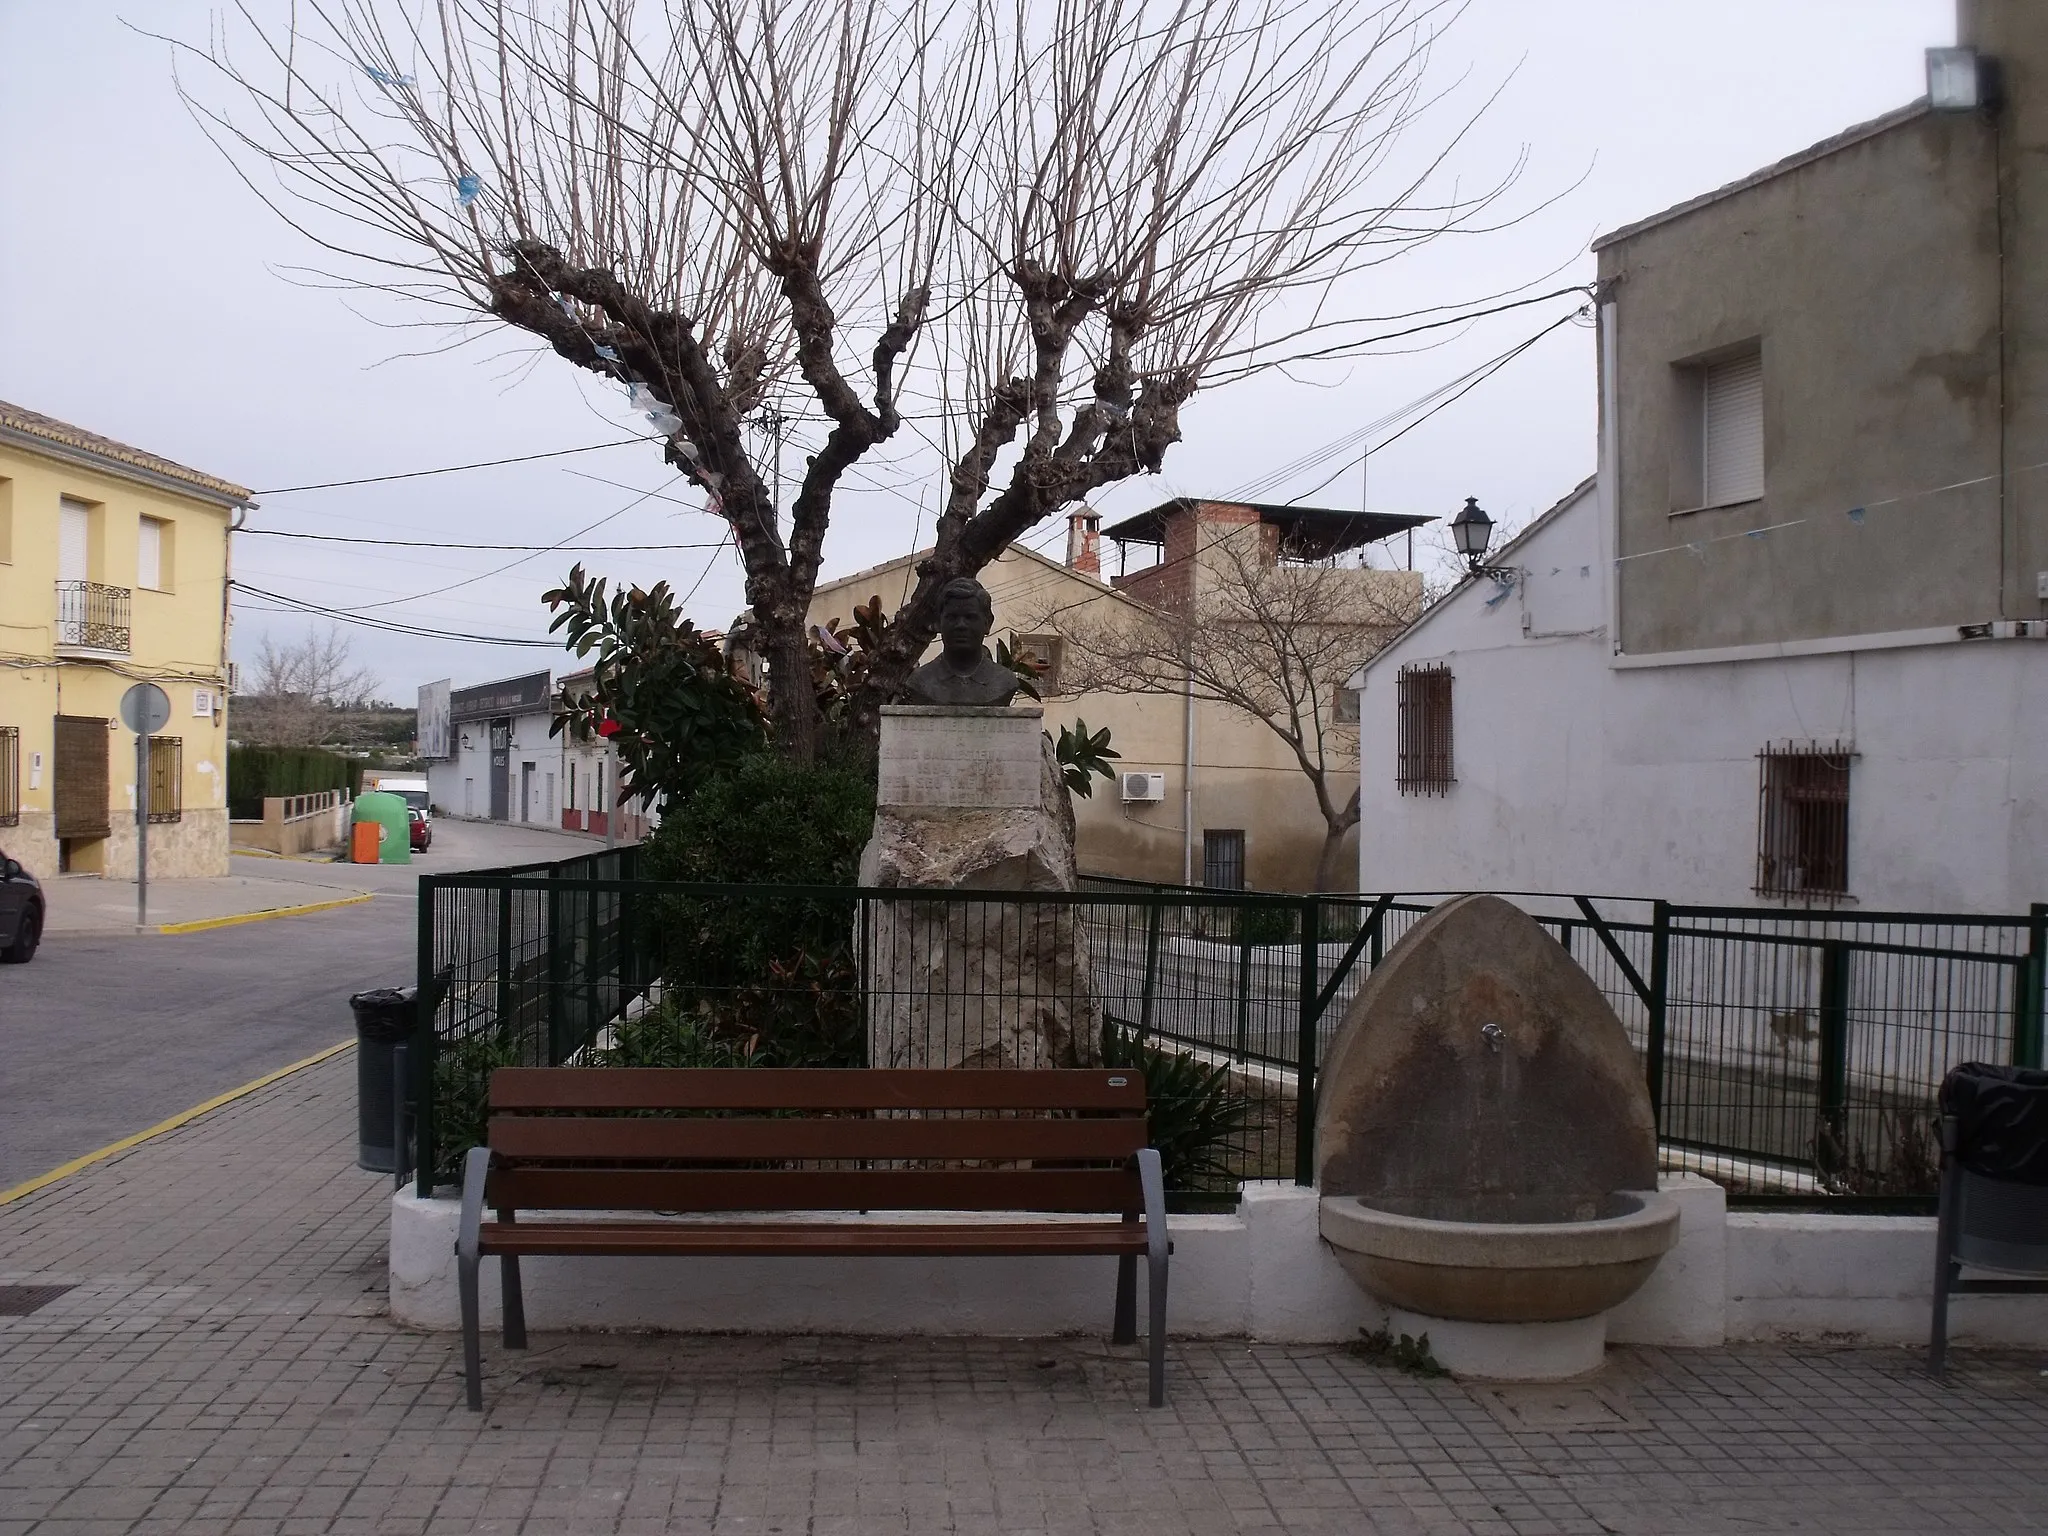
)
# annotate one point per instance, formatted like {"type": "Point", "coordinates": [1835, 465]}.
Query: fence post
{"type": "Point", "coordinates": [1153, 917]}
{"type": "Point", "coordinates": [425, 1037]}
{"type": "Point", "coordinates": [1244, 984]}
{"type": "Point", "coordinates": [1831, 1137]}
{"type": "Point", "coordinates": [2030, 988]}
{"type": "Point", "coordinates": [1656, 1008]}
{"type": "Point", "coordinates": [557, 1014]}
{"type": "Point", "coordinates": [506, 995]}
{"type": "Point", "coordinates": [1305, 1046]}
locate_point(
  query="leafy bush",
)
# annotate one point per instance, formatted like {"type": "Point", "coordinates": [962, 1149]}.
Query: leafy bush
{"type": "Point", "coordinates": [772, 976]}
{"type": "Point", "coordinates": [671, 1036]}
{"type": "Point", "coordinates": [462, 1097]}
{"type": "Point", "coordinates": [1082, 756]}
{"type": "Point", "coordinates": [1195, 1113]}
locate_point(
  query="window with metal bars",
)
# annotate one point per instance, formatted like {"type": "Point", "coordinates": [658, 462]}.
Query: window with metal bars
{"type": "Point", "coordinates": [166, 778]}
{"type": "Point", "coordinates": [1223, 860]}
{"type": "Point", "coordinates": [1803, 821]}
{"type": "Point", "coordinates": [10, 775]}
{"type": "Point", "coordinates": [1422, 696]}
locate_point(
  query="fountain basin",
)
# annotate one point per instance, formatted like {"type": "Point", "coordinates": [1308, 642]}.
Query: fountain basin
{"type": "Point", "coordinates": [1502, 1272]}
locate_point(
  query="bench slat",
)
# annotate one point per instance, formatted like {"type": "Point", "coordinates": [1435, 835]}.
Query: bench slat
{"type": "Point", "coordinates": [978, 1137]}
{"type": "Point", "coordinates": [892, 1189]}
{"type": "Point", "coordinates": [818, 1240]}
{"type": "Point", "coordinates": [616, 1088]}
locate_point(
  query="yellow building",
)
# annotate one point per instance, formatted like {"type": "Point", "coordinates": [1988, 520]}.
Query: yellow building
{"type": "Point", "coordinates": [113, 571]}
{"type": "Point", "coordinates": [1204, 793]}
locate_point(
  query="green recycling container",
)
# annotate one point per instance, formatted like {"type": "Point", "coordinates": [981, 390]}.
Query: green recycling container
{"type": "Point", "coordinates": [388, 812]}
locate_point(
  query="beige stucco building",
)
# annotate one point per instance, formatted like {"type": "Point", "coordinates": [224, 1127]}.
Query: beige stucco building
{"type": "Point", "coordinates": [1226, 803]}
{"type": "Point", "coordinates": [113, 571]}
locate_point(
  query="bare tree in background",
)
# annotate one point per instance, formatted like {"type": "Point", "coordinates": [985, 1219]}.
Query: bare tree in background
{"type": "Point", "coordinates": [1026, 232]}
{"type": "Point", "coordinates": [297, 689]}
{"type": "Point", "coordinates": [1271, 639]}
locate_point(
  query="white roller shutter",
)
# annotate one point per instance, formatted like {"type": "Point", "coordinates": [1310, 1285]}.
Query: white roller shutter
{"type": "Point", "coordinates": [73, 523]}
{"type": "Point", "coordinates": [149, 554]}
{"type": "Point", "coordinates": [1734, 428]}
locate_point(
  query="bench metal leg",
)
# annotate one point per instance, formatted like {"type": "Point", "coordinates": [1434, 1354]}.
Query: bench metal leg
{"type": "Point", "coordinates": [1946, 1269]}
{"type": "Point", "coordinates": [1124, 1330]}
{"type": "Point", "coordinates": [515, 1302]}
{"type": "Point", "coordinates": [1157, 1248]}
{"type": "Point", "coordinates": [472, 1344]}
{"type": "Point", "coordinates": [475, 1169]}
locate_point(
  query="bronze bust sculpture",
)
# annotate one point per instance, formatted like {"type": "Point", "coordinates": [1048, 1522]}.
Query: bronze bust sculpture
{"type": "Point", "coordinates": [962, 672]}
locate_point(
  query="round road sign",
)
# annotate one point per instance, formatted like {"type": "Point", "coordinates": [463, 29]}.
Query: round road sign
{"type": "Point", "coordinates": [145, 709]}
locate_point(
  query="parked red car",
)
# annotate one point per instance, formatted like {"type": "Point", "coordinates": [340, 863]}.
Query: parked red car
{"type": "Point", "coordinates": [422, 829]}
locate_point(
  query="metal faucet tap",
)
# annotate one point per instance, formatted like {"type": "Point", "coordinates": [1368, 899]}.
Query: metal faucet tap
{"type": "Point", "coordinates": [1493, 1035]}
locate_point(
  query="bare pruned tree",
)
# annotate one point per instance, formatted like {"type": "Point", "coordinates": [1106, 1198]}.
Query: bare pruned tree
{"type": "Point", "coordinates": [1274, 640]}
{"type": "Point", "coordinates": [297, 687]}
{"type": "Point", "coordinates": [1026, 232]}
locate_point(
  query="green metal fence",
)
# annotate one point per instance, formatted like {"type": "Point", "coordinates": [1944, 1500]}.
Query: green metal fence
{"type": "Point", "coordinates": [1788, 1055]}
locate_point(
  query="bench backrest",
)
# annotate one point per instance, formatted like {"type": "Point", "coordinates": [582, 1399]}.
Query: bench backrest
{"type": "Point", "coordinates": [770, 1139]}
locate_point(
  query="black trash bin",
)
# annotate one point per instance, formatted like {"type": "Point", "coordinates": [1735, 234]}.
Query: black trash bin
{"type": "Point", "coordinates": [384, 1023]}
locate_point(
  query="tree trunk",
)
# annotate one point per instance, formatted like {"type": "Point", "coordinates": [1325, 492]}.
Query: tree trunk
{"type": "Point", "coordinates": [1331, 874]}
{"type": "Point", "coordinates": [792, 704]}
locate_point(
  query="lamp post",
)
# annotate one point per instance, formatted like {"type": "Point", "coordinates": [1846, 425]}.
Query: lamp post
{"type": "Point", "coordinates": [1471, 532]}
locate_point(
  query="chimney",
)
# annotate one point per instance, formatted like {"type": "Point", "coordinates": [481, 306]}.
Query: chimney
{"type": "Point", "coordinates": [1084, 542]}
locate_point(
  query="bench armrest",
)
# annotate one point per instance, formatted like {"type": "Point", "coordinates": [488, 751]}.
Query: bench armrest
{"type": "Point", "coordinates": [1153, 1183]}
{"type": "Point", "coordinates": [476, 1169]}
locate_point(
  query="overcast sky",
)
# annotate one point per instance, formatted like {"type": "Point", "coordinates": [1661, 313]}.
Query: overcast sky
{"type": "Point", "coordinates": [145, 294]}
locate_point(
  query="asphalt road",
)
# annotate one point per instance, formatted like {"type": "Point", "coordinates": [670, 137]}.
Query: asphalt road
{"type": "Point", "coordinates": [103, 1035]}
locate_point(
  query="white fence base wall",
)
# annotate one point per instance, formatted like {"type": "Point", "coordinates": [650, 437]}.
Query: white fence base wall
{"type": "Point", "coordinates": [1263, 1273]}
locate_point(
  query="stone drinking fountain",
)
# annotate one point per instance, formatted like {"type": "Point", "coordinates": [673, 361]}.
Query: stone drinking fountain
{"type": "Point", "coordinates": [1485, 1147]}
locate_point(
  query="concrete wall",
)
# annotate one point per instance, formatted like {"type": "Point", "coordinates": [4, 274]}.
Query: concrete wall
{"type": "Point", "coordinates": [295, 824]}
{"type": "Point", "coordinates": [176, 639]}
{"type": "Point", "coordinates": [1870, 276]}
{"type": "Point", "coordinates": [1578, 774]}
{"type": "Point", "coordinates": [1263, 1273]}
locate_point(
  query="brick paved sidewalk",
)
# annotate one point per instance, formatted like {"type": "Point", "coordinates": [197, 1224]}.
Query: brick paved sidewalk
{"type": "Point", "coordinates": [222, 1364]}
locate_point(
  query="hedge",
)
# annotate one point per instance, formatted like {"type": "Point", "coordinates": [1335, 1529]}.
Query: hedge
{"type": "Point", "coordinates": [256, 773]}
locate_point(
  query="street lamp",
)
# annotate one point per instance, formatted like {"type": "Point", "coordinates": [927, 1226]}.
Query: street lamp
{"type": "Point", "coordinates": [1471, 531]}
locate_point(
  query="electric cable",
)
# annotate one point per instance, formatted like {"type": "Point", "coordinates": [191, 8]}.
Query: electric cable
{"type": "Point", "coordinates": [503, 549]}
{"type": "Point", "coordinates": [344, 616]}
{"type": "Point", "coordinates": [452, 469]}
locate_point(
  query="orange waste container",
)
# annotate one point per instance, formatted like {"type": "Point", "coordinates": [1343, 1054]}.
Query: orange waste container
{"type": "Point", "coordinates": [362, 842]}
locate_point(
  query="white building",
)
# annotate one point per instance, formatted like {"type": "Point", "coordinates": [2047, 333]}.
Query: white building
{"type": "Point", "coordinates": [1790, 648]}
{"type": "Point", "coordinates": [502, 764]}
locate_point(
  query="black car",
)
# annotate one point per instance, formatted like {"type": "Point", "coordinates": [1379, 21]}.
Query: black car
{"type": "Point", "coordinates": [21, 913]}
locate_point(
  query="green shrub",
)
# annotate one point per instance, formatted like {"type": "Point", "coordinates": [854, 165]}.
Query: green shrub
{"type": "Point", "coordinates": [774, 975]}
{"type": "Point", "coordinates": [671, 1036]}
{"type": "Point", "coordinates": [1195, 1114]}
{"type": "Point", "coordinates": [462, 1097]}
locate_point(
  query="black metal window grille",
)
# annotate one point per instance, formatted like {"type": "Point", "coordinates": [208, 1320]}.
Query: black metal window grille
{"type": "Point", "coordinates": [166, 778]}
{"type": "Point", "coordinates": [10, 775]}
{"type": "Point", "coordinates": [1423, 706]}
{"type": "Point", "coordinates": [1803, 821]}
{"type": "Point", "coordinates": [1223, 860]}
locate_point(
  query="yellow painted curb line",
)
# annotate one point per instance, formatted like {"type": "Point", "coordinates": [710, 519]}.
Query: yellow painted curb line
{"type": "Point", "coordinates": [67, 1169]}
{"type": "Point", "coordinates": [256, 917]}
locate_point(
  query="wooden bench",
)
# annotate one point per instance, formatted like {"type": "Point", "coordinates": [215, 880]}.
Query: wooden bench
{"type": "Point", "coordinates": [816, 1140]}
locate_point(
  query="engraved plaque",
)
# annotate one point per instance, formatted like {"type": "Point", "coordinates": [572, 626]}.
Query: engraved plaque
{"type": "Point", "coordinates": [937, 757]}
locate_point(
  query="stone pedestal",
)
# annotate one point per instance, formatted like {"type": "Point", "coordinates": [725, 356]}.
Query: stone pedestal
{"type": "Point", "coordinates": [972, 800]}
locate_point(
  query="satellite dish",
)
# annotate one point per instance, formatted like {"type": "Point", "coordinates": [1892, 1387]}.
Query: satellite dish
{"type": "Point", "coordinates": [145, 709]}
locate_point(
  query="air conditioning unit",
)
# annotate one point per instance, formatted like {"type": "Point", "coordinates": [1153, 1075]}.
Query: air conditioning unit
{"type": "Point", "coordinates": [1143, 788]}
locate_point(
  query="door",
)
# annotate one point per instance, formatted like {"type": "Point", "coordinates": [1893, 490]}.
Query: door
{"type": "Point", "coordinates": [526, 792]}
{"type": "Point", "coordinates": [501, 770]}
{"type": "Point", "coordinates": [80, 784]}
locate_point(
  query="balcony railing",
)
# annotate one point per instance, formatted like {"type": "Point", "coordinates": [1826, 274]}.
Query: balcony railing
{"type": "Point", "coordinates": [92, 616]}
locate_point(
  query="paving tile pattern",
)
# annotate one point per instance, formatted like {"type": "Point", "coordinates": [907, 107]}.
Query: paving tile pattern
{"type": "Point", "coordinates": [222, 1364]}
